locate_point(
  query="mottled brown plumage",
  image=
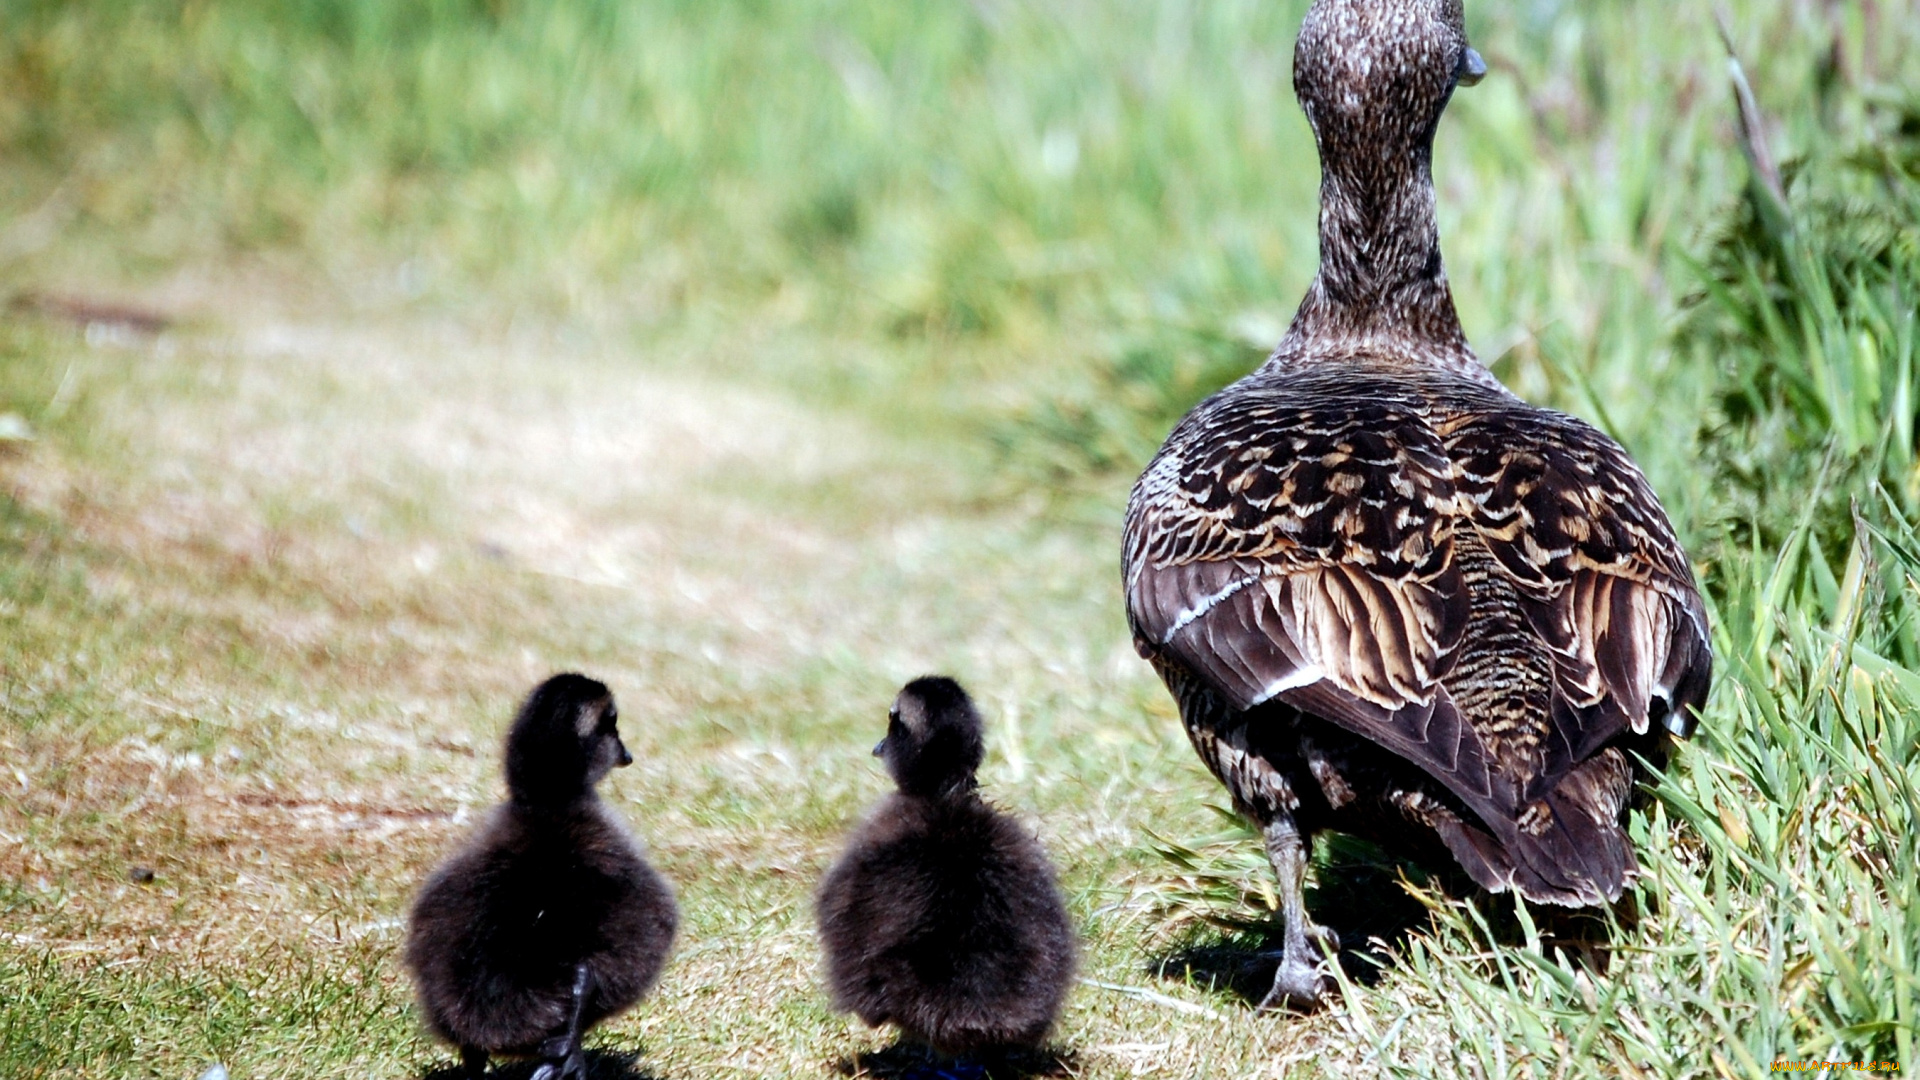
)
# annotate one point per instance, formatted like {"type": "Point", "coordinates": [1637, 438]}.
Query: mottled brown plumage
{"type": "Point", "coordinates": [1389, 597]}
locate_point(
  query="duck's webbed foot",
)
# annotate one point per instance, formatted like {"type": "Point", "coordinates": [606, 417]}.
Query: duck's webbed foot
{"type": "Point", "coordinates": [565, 1059]}
{"type": "Point", "coordinates": [1301, 980]}
{"type": "Point", "coordinates": [473, 1062]}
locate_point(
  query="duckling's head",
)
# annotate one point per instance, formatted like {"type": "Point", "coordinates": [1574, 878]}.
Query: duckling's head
{"type": "Point", "coordinates": [934, 739]}
{"type": "Point", "coordinates": [564, 740]}
{"type": "Point", "coordinates": [1374, 75]}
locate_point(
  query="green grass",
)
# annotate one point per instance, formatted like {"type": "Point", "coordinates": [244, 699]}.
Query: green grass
{"type": "Point", "coordinates": [758, 357]}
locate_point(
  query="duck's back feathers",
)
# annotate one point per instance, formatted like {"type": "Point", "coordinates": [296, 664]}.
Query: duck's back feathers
{"type": "Point", "coordinates": [1271, 517]}
{"type": "Point", "coordinates": [498, 929]}
{"type": "Point", "coordinates": [1487, 589]}
{"type": "Point", "coordinates": [942, 917]}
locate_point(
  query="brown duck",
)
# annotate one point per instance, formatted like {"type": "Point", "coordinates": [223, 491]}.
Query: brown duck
{"type": "Point", "coordinates": [1390, 598]}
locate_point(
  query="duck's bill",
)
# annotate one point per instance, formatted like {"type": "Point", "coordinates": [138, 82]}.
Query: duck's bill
{"type": "Point", "coordinates": [1471, 70]}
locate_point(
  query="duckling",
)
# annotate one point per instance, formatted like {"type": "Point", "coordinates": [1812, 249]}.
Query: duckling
{"type": "Point", "coordinates": [550, 920]}
{"type": "Point", "coordinates": [1389, 597]}
{"type": "Point", "coordinates": [941, 917]}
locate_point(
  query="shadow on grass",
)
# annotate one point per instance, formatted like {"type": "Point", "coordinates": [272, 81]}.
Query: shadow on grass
{"type": "Point", "coordinates": [908, 1061]}
{"type": "Point", "coordinates": [1357, 894]}
{"type": "Point", "coordinates": [1583, 934]}
{"type": "Point", "coordinates": [601, 1065]}
{"type": "Point", "coordinates": [1360, 895]}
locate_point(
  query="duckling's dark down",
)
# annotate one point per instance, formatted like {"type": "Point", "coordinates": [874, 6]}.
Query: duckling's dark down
{"type": "Point", "coordinates": [550, 920]}
{"type": "Point", "coordinates": [1389, 597]}
{"type": "Point", "coordinates": [942, 916]}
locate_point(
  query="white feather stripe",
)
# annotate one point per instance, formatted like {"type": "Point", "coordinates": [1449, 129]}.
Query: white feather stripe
{"type": "Point", "coordinates": [1292, 680]}
{"type": "Point", "coordinates": [1204, 605]}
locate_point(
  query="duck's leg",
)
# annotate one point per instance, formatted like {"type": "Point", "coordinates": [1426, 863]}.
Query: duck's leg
{"type": "Point", "coordinates": [473, 1062]}
{"type": "Point", "coordinates": [1297, 983]}
{"type": "Point", "coordinates": [568, 1060]}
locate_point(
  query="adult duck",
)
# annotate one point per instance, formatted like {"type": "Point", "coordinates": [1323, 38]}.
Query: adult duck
{"type": "Point", "coordinates": [1389, 597]}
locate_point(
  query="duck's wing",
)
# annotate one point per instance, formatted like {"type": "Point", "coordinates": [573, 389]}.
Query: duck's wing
{"type": "Point", "coordinates": [1606, 585]}
{"type": "Point", "coordinates": [1300, 547]}
{"type": "Point", "coordinates": [1307, 553]}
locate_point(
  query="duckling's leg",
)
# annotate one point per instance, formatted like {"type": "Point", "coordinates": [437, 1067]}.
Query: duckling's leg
{"type": "Point", "coordinates": [1297, 984]}
{"type": "Point", "coordinates": [570, 1060]}
{"type": "Point", "coordinates": [473, 1062]}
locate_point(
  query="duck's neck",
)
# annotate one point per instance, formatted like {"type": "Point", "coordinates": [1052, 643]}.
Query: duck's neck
{"type": "Point", "coordinates": [553, 804]}
{"type": "Point", "coordinates": [1381, 288]}
{"type": "Point", "coordinates": [946, 790]}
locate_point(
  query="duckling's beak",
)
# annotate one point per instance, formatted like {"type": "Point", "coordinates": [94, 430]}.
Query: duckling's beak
{"type": "Point", "coordinates": [1471, 70]}
{"type": "Point", "coordinates": [626, 758]}
{"type": "Point", "coordinates": [880, 748]}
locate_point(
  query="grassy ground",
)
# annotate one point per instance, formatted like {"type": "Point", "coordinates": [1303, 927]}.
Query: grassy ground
{"type": "Point", "coordinates": [756, 358]}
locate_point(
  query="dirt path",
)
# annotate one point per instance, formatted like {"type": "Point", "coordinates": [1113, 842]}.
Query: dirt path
{"type": "Point", "coordinates": [278, 585]}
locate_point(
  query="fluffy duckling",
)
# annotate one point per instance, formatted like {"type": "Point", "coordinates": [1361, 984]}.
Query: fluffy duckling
{"type": "Point", "coordinates": [942, 916]}
{"type": "Point", "coordinates": [550, 920]}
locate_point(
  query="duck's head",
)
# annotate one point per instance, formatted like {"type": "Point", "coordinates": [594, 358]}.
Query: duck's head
{"type": "Point", "coordinates": [934, 738]}
{"type": "Point", "coordinates": [564, 740]}
{"type": "Point", "coordinates": [1374, 75]}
